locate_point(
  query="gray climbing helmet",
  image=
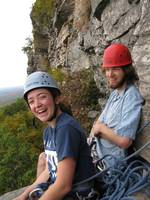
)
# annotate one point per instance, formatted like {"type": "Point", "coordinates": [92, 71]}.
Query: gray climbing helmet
{"type": "Point", "coordinates": [39, 79]}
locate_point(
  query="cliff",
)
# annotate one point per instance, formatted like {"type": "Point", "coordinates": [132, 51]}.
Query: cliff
{"type": "Point", "coordinates": [71, 35]}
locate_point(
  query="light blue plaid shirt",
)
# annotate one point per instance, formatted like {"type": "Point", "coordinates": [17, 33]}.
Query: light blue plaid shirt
{"type": "Point", "coordinates": [121, 113]}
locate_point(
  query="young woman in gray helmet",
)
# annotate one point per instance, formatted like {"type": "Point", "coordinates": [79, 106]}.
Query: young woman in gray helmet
{"type": "Point", "coordinates": [67, 153]}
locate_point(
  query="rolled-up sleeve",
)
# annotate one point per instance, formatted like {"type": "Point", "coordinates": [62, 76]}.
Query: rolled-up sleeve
{"type": "Point", "coordinates": [130, 115]}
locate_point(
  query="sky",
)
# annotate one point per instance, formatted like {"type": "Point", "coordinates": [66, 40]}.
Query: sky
{"type": "Point", "coordinates": [16, 26]}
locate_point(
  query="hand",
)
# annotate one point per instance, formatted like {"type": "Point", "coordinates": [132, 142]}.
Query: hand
{"type": "Point", "coordinates": [96, 129]}
{"type": "Point", "coordinates": [90, 140]}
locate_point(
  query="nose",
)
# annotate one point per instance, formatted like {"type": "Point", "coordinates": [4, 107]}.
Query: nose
{"type": "Point", "coordinates": [109, 72]}
{"type": "Point", "coordinates": [37, 103]}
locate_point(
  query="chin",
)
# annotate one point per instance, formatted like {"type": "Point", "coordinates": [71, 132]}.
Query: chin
{"type": "Point", "coordinates": [42, 119]}
{"type": "Point", "coordinates": [112, 86]}
{"type": "Point", "coordinates": [115, 86]}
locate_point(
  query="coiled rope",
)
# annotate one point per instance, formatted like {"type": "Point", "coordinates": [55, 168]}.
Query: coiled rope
{"type": "Point", "coordinates": [124, 180]}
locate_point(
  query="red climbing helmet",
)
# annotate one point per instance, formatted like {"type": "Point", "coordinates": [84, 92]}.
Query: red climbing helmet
{"type": "Point", "coordinates": [116, 55]}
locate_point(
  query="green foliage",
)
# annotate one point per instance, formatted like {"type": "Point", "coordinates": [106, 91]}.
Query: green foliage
{"type": "Point", "coordinates": [81, 94]}
{"type": "Point", "coordinates": [42, 11]}
{"type": "Point", "coordinates": [29, 46]}
{"type": "Point", "coordinates": [20, 145]}
{"type": "Point", "coordinates": [57, 74]}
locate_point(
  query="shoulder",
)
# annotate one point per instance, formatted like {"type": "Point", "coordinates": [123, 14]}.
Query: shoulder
{"type": "Point", "coordinates": [70, 127]}
{"type": "Point", "coordinates": [132, 88]}
{"type": "Point", "coordinates": [132, 98]}
{"type": "Point", "coordinates": [133, 92]}
{"type": "Point", "coordinates": [67, 120]}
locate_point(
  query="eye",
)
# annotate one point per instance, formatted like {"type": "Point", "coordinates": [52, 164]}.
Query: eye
{"type": "Point", "coordinates": [117, 69]}
{"type": "Point", "coordinates": [30, 101]}
{"type": "Point", "coordinates": [43, 96]}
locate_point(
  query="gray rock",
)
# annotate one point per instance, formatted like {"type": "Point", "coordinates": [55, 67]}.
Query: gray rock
{"type": "Point", "coordinates": [12, 195]}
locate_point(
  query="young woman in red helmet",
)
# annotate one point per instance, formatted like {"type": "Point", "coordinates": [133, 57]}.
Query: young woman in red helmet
{"type": "Point", "coordinates": [66, 149]}
{"type": "Point", "coordinates": [117, 125]}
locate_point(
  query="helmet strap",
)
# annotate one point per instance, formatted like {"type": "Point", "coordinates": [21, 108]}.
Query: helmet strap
{"type": "Point", "coordinates": [54, 113]}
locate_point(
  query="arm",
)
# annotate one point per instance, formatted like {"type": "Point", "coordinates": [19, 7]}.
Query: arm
{"type": "Point", "coordinates": [41, 165]}
{"type": "Point", "coordinates": [63, 183]}
{"type": "Point", "coordinates": [42, 178]}
{"type": "Point", "coordinates": [99, 129]}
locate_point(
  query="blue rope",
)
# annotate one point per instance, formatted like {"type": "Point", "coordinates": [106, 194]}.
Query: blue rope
{"type": "Point", "coordinates": [129, 179]}
{"type": "Point", "coordinates": [144, 126]}
{"type": "Point", "coordinates": [123, 180]}
{"type": "Point", "coordinates": [136, 152]}
{"type": "Point", "coordinates": [126, 186]}
{"type": "Point", "coordinates": [128, 198]}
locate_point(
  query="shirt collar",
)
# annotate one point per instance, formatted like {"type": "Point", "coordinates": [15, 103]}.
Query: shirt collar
{"type": "Point", "coordinates": [121, 92]}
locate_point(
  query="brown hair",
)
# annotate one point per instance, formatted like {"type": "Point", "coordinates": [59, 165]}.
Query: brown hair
{"type": "Point", "coordinates": [131, 76]}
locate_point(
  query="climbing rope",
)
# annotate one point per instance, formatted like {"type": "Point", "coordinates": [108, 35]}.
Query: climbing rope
{"type": "Point", "coordinates": [125, 178]}
{"type": "Point", "coordinates": [121, 181]}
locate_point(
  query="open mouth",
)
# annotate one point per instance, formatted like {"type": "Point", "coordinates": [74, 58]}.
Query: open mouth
{"type": "Point", "coordinates": [41, 113]}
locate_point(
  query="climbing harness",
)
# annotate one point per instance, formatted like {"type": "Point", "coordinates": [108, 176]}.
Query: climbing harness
{"type": "Point", "coordinates": [96, 153]}
{"type": "Point", "coordinates": [36, 194]}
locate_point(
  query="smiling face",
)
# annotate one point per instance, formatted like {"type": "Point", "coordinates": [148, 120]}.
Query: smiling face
{"type": "Point", "coordinates": [42, 104]}
{"type": "Point", "coordinates": [115, 77]}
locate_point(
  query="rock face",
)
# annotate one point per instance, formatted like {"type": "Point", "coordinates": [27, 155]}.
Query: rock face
{"type": "Point", "coordinates": [78, 32]}
{"type": "Point", "coordinates": [12, 195]}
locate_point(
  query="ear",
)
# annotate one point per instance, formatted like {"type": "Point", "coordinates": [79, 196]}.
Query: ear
{"type": "Point", "coordinates": [58, 99]}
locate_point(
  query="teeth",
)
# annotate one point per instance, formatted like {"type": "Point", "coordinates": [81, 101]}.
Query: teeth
{"type": "Point", "coordinates": [41, 111]}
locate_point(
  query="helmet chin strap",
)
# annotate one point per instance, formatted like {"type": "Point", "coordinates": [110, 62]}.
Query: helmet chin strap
{"type": "Point", "coordinates": [54, 113]}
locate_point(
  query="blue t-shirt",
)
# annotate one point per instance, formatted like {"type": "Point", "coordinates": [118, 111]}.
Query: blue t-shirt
{"type": "Point", "coordinates": [121, 113]}
{"type": "Point", "coordinates": [67, 139]}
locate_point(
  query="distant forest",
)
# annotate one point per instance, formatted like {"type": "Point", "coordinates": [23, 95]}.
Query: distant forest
{"type": "Point", "coordinates": [9, 95]}
{"type": "Point", "coordinates": [20, 145]}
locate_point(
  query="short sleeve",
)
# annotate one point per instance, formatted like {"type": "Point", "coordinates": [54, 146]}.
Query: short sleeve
{"type": "Point", "coordinates": [67, 142]}
{"type": "Point", "coordinates": [130, 116]}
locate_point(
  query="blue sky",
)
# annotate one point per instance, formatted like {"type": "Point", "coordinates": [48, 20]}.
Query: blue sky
{"type": "Point", "coordinates": [15, 28]}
